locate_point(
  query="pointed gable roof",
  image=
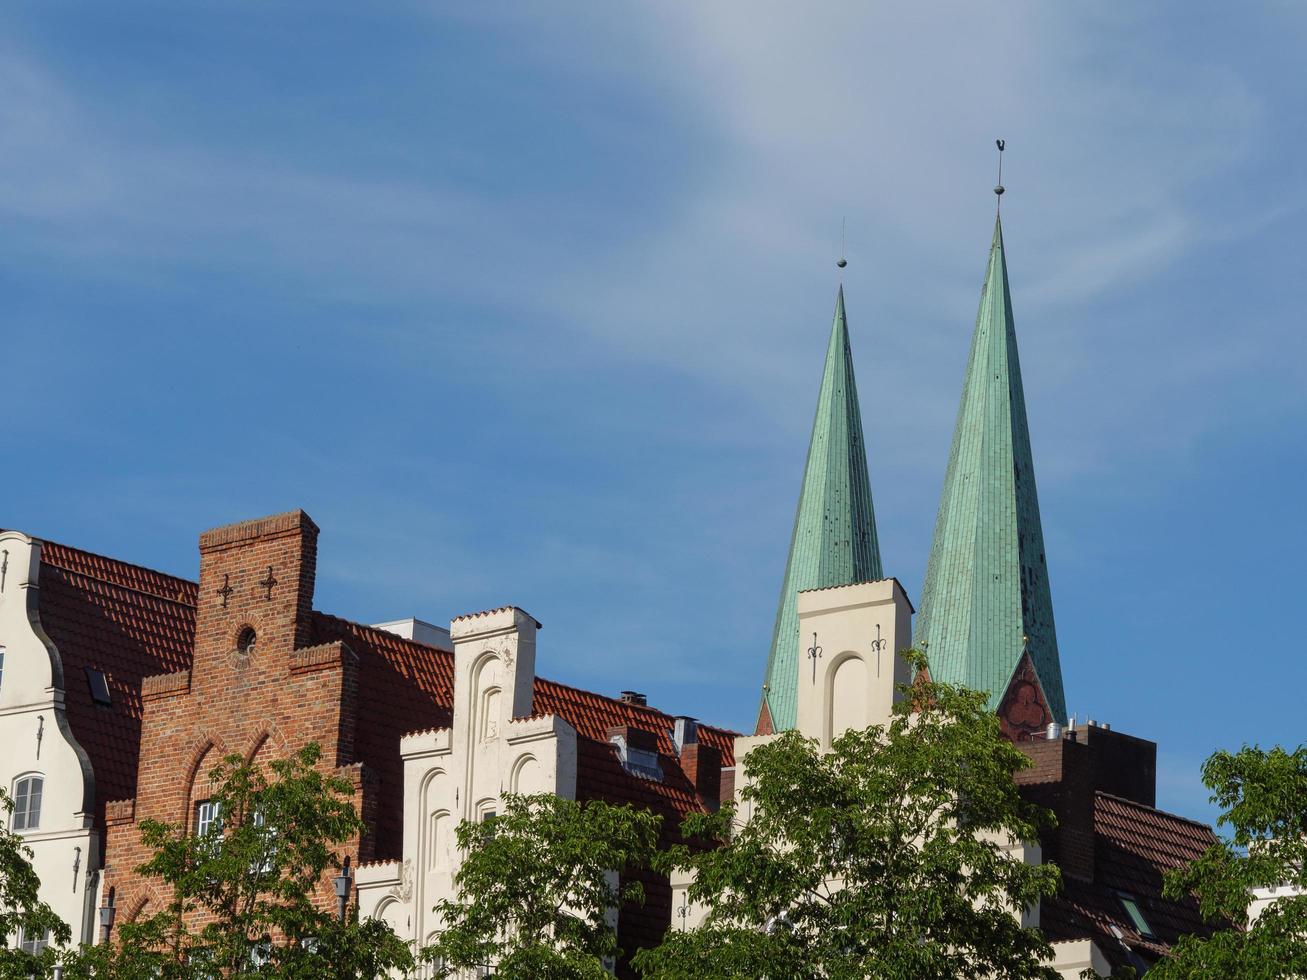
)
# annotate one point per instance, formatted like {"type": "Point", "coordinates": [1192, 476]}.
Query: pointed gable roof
{"type": "Point", "coordinates": [834, 539]}
{"type": "Point", "coordinates": [986, 597]}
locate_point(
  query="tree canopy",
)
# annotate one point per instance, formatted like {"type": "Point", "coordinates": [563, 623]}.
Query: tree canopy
{"type": "Point", "coordinates": [538, 888]}
{"type": "Point", "coordinates": [1263, 795]}
{"type": "Point", "coordinates": [243, 892]}
{"type": "Point", "coordinates": [887, 856]}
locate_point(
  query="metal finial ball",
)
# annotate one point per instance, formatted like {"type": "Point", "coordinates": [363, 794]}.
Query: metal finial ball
{"type": "Point", "coordinates": [999, 190]}
{"type": "Point", "coordinates": [841, 263]}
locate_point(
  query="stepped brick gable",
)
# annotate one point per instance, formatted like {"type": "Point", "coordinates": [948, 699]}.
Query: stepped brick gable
{"type": "Point", "coordinates": [267, 676]}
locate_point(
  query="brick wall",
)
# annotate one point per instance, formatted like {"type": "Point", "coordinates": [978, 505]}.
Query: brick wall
{"type": "Point", "coordinates": [1065, 774]}
{"type": "Point", "coordinates": [262, 703]}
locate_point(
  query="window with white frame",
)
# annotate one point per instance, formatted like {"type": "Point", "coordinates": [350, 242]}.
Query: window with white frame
{"type": "Point", "coordinates": [268, 838]}
{"type": "Point", "coordinates": [27, 802]}
{"type": "Point", "coordinates": [34, 942]}
{"type": "Point", "coordinates": [208, 818]}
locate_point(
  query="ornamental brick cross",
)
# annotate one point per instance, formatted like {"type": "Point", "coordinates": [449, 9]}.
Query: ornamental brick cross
{"type": "Point", "coordinates": [268, 582]}
{"type": "Point", "coordinates": [226, 590]}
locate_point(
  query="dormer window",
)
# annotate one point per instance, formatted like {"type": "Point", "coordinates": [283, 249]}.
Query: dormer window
{"type": "Point", "coordinates": [638, 751]}
{"type": "Point", "coordinates": [95, 679]}
{"type": "Point", "coordinates": [1136, 914]}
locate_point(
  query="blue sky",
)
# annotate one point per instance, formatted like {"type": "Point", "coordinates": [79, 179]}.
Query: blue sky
{"type": "Point", "coordinates": [527, 304]}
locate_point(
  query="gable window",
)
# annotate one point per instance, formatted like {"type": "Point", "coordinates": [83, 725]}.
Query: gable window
{"type": "Point", "coordinates": [99, 686]}
{"type": "Point", "coordinates": [27, 802]}
{"type": "Point", "coordinates": [34, 943]}
{"type": "Point", "coordinates": [1132, 909]}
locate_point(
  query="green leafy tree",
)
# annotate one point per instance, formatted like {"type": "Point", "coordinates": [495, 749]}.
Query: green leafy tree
{"type": "Point", "coordinates": [538, 884]}
{"type": "Point", "coordinates": [1263, 794]}
{"type": "Point", "coordinates": [885, 857]}
{"type": "Point", "coordinates": [21, 910]}
{"type": "Point", "coordinates": [243, 894]}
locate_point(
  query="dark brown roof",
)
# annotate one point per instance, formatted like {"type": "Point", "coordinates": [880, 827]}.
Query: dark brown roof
{"type": "Point", "coordinates": [127, 621]}
{"type": "Point", "coordinates": [1134, 846]}
{"type": "Point", "coordinates": [402, 685]}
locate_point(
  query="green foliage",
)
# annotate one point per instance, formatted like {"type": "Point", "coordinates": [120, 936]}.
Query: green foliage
{"type": "Point", "coordinates": [536, 887]}
{"type": "Point", "coordinates": [884, 857]}
{"type": "Point", "coordinates": [242, 895]}
{"type": "Point", "coordinates": [20, 908]}
{"type": "Point", "coordinates": [1264, 798]}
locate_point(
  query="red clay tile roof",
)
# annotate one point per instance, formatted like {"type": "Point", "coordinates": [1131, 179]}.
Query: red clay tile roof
{"type": "Point", "coordinates": [1134, 845]}
{"type": "Point", "coordinates": [133, 622]}
{"type": "Point", "coordinates": [127, 621]}
{"type": "Point", "coordinates": [402, 685]}
{"type": "Point", "coordinates": [600, 775]}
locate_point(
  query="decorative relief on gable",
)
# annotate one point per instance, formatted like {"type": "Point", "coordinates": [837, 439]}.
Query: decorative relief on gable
{"type": "Point", "coordinates": [404, 890]}
{"type": "Point", "coordinates": [1024, 713]}
{"type": "Point", "coordinates": [503, 647]}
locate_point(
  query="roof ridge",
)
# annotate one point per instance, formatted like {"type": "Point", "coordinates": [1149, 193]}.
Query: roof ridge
{"type": "Point", "coordinates": [1154, 809]}
{"type": "Point", "coordinates": [628, 705]}
{"type": "Point", "coordinates": [48, 559]}
{"type": "Point", "coordinates": [385, 634]}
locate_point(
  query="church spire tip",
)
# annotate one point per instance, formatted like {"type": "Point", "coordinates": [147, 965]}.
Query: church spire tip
{"type": "Point", "coordinates": [999, 188]}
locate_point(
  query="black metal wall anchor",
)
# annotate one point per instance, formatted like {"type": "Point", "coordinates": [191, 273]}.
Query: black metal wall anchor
{"type": "Point", "coordinates": [878, 645]}
{"type": "Point", "coordinates": [814, 652]}
{"type": "Point", "coordinates": [226, 590]}
{"type": "Point", "coordinates": [268, 582]}
{"type": "Point", "coordinates": [4, 570]}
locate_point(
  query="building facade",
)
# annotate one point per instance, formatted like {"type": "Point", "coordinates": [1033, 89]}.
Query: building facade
{"type": "Point", "coordinates": [120, 688]}
{"type": "Point", "coordinates": [78, 632]}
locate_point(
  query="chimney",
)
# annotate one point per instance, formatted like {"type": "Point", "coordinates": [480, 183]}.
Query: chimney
{"type": "Point", "coordinates": [702, 765]}
{"type": "Point", "coordinates": [1062, 778]}
{"type": "Point", "coordinates": [685, 732]}
{"type": "Point", "coordinates": [633, 697]}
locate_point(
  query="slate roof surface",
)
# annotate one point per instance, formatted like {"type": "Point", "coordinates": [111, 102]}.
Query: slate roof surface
{"type": "Point", "coordinates": [986, 597]}
{"type": "Point", "coordinates": [834, 540]}
{"type": "Point", "coordinates": [1134, 845]}
{"type": "Point", "coordinates": [127, 621]}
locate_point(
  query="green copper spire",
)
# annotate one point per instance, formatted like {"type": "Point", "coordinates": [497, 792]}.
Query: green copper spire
{"type": "Point", "coordinates": [986, 597]}
{"type": "Point", "coordinates": [834, 540]}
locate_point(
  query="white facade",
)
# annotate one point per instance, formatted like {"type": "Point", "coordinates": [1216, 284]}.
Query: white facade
{"type": "Point", "coordinates": [460, 773]}
{"type": "Point", "coordinates": [39, 745]}
{"type": "Point", "coordinates": [849, 677]}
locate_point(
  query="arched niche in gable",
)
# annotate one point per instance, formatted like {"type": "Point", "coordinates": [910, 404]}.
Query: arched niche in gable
{"type": "Point", "coordinates": [846, 696]}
